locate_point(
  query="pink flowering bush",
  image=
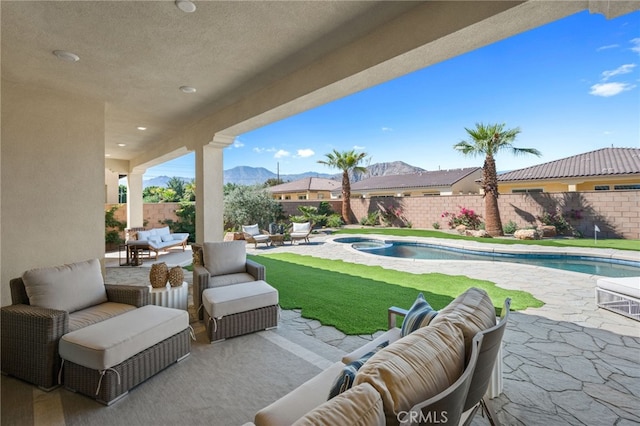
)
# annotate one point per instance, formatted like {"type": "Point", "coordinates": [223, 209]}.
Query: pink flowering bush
{"type": "Point", "coordinates": [466, 217]}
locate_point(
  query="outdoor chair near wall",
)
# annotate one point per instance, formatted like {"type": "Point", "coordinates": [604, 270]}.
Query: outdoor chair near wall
{"type": "Point", "coordinates": [253, 234]}
{"type": "Point", "coordinates": [300, 231]}
{"type": "Point", "coordinates": [487, 357]}
{"type": "Point", "coordinates": [446, 408]}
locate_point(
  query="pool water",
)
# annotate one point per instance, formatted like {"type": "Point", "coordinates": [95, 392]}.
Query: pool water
{"type": "Point", "coordinates": [411, 250]}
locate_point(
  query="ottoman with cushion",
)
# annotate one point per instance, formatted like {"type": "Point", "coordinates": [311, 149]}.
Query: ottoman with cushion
{"type": "Point", "coordinates": [106, 359]}
{"type": "Point", "coordinates": [241, 308]}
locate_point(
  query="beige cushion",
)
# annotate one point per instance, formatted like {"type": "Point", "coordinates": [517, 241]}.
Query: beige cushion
{"type": "Point", "coordinates": [388, 336]}
{"type": "Point", "coordinates": [228, 279]}
{"type": "Point", "coordinates": [67, 287]}
{"type": "Point", "coordinates": [358, 406]}
{"type": "Point", "coordinates": [472, 312]}
{"type": "Point", "coordinates": [415, 368]}
{"type": "Point", "coordinates": [243, 297]}
{"type": "Point", "coordinates": [227, 257]}
{"type": "Point", "coordinates": [97, 313]}
{"type": "Point", "coordinates": [108, 343]}
{"type": "Point", "coordinates": [301, 400]}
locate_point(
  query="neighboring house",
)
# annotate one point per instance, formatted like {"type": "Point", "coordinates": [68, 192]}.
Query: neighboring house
{"type": "Point", "coordinates": [310, 188]}
{"type": "Point", "coordinates": [427, 183]}
{"type": "Point", "coordinates": [606, 169]}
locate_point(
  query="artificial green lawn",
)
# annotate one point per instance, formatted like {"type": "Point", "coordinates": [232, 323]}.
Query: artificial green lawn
{"type": "Point", "coordinates": [354, 298]}
{"type": "Point", "coordinates": [560, 242]}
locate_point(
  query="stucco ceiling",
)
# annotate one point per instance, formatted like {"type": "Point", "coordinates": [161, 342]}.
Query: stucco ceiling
{"type": "Point", "coordinates": [134, 55]}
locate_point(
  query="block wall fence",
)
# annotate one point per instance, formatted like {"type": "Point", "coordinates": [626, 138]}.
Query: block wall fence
{"type": "Point", "coordinates": [617, 214]}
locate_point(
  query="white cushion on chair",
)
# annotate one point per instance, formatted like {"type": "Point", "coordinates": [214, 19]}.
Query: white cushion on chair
{"type": "Point", "coordinates": [252, 230]}
{"type": "Point", "coordinates": [301, 227]}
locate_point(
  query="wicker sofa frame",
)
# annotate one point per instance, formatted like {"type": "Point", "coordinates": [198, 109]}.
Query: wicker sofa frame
{"type": "Point", "coordinates": [30, 334]}
{"type": "Point", "coordinates": [118, 380]}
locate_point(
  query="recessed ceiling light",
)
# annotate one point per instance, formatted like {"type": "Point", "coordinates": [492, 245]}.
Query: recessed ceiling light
{"type": "Point", "coordinates": [141, 128]}
{"type": "Point", "coordinates": [66, 56]}
{"type": "Point", "coordinates": [188, 89]}
{"type": "Point", "coordinates": [107, 155]}
{"type": "Point", "coordinates": [186, 6]}
{"type": "Point", "coordinates": [122, 144]}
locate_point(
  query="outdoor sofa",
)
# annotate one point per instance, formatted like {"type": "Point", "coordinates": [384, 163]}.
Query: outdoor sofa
{"type": "Point", "coordinates": [418, 367]}
{"type": "Point", "coordinates": [156, 239]}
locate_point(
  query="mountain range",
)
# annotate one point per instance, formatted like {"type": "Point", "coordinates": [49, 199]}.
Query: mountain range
{"type": "Point", "coordinates": [245, 175]}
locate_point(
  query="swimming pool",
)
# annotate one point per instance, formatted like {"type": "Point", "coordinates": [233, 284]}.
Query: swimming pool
{"type": "Point", "coordinates": [413, 250]}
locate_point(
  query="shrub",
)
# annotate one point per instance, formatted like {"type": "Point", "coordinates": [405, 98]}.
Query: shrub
{"type": "Point", "coordinates": [465, 217]}
{"type": "Point", "coordinates": [436, 225]}
{"type": "Point", "coordinates": [372, 219]}
{"type": "Point", "coordinates": [334, 221]}
{"type": "Point", "coordinates": [186, 220]}
{"type": "Point", "coordinates": [113, 227]}
{"type": "Point", "coordinates": [557, 219]}
{"type": "Point", "coordinates": [510, 227]}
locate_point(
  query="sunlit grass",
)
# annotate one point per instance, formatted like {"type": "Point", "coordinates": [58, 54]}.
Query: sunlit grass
{"type": "Point", "coordinates": [354, 298]}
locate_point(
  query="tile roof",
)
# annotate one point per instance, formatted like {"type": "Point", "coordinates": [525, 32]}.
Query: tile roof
{"type": "Point", "coordinates": [601, 162]}
{"type": "Point", "coordinates": [416, 180]}
{"type": "Point", "coordinates": [307, 184]}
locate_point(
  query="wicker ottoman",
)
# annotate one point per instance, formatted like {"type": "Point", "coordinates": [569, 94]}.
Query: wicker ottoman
{"type": "Point", "coordinates": [619, 295]}
{"type": "Point", "coordinates": [106, 359]}
{"type": "Point", "coordinates": [238, 309]}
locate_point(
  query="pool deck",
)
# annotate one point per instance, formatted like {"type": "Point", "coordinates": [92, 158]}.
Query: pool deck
{"type": "Point", "coordinates": [565, 363]}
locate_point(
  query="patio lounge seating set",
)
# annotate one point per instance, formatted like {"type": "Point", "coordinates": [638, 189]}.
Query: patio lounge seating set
{"type": "Point", "coordinates": [66, 326]}
{"type": "Point", "coordinates": [422, 373]}
{"type": "Point", "coordinates": [299, 232]}
{"type": "Point", "coordinates": [619, 295]}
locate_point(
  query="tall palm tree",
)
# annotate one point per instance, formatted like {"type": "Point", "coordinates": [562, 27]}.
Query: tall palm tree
{"type": "Point", "coordinates": [347, 161]}
{"type": "Point", "coordinates": [488, 140]}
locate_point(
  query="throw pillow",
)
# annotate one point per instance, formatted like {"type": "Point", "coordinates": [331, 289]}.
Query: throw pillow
{"type": "Point", "coordinates": [345, 380]}
{"type": "Point", "coordinates": [420, 315]}
{"type": "Point", "coordinates": [166, 238]}
{"type": "Point", "coordinates": [251, 229]}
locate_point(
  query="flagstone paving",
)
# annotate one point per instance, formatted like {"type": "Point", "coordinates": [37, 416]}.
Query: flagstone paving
{"type": "Point", "coordinates": [566, 363]}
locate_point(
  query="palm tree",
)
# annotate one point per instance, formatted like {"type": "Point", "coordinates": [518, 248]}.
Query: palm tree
{"type": "Point", "coordinates": [347, 161]}
{"type": "Point", "coordinates": [488, 140]}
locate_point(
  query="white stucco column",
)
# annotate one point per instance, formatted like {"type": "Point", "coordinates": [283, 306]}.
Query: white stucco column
{"type": "Point", "coordinates": [209, 189]}
{"type": "Point", "coordinates": [135, 217]}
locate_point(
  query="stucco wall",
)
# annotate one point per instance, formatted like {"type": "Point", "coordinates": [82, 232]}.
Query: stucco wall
{"type": "Point", "coordinates": [52, 180]}
{"type": "Point", "coordinates": [615, 212]}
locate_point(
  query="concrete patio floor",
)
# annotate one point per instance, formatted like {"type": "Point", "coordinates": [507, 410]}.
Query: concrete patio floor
{"type": "Point", "coordinates": [566, 363]}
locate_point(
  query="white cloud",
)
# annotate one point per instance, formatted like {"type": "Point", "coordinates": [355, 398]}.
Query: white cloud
{"type": "Point", "coordinates": [238, 143]}
{"type": "Point", "coordinates": [304, 153]}
{"type": "Point", "coordinates": [387, 129]}
{"type": "Point", "coordinates": [359, 148]}
{"type": "Point", "coordinates": [261, 150]}
{"type": "Point", "coordinates": [636, 45]}
{"type": "Point", "coordinates": [623, 69]}
{"type": "Point", "coordinates": [281, 154]}
{"type": "Point", "coordinates": [609, 46]}
{"type": "Point", "coordinates": [610, 89]}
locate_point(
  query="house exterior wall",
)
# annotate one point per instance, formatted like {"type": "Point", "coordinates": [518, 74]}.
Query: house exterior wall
{"type": "Point", "coordinates": [112, 186]}
{"type": "Point", "coordinates": [615, 212]}
{"type": "Point", "coordinates": [52, 162]}
{"type": "Point", "coordinates": [563, 185]}
{"type": "Point", "coordinates": [310, 195]}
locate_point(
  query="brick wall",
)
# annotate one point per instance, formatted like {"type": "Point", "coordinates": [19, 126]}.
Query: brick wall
{"type": "Point", "coordinates": [152, 213]}
{"type": "Point", "coordinates": [615, 213]}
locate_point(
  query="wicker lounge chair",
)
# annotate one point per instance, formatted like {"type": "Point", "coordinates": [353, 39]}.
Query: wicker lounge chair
{"type": "Point", "coordinates": [253, 234]}
{"type": "Point", "coordinates": [30, 333]}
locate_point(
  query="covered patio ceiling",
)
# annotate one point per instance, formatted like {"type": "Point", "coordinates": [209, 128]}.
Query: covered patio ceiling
{"type": "Point", "coordinates": [251, 63]}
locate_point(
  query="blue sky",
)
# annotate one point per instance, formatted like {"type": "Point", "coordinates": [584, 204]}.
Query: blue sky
{"type": "Point", "coordinates": [571, 86]}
